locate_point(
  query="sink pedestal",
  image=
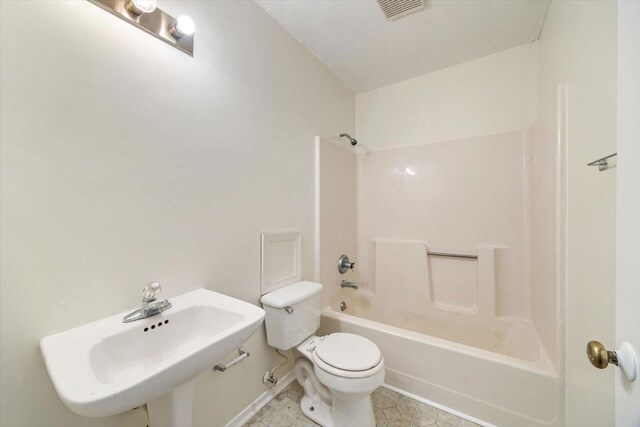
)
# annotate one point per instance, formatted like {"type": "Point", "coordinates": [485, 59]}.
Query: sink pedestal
{"type": "Point", "coordinates": [174, 409]}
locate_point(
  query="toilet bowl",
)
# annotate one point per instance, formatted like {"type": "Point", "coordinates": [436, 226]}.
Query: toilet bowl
{"type": "Point", "coordinates": [347, 368]}
{"type": "Point", "coordinates": [338, 372]}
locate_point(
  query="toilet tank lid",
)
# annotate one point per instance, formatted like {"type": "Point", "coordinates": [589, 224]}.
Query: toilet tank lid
{"type": "Point", "coordinates": [291, 294]}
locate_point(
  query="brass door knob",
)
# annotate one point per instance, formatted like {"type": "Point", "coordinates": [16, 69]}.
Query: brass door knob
{"type": "Point", "coordinates": [599, 356]}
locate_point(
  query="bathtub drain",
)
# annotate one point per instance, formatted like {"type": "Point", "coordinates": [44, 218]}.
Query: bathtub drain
{"type": "Point", "coordinates": [343, 306]}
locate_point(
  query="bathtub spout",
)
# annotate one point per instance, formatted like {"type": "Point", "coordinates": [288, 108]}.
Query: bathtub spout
{"type": "Point", "coordinates": [351, 285]}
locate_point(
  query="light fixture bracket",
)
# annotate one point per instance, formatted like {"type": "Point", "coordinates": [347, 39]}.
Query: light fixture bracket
{"type": "Point", "coordinates": [156, 23]}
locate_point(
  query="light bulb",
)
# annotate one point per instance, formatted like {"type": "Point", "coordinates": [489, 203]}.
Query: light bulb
{"type": "Point", "coordinates": [138, 7]}
{"type": "Point", "coordinates": [183, 26]}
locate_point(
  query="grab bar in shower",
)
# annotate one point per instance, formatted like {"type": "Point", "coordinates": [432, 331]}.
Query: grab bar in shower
{"type": "Point", "coordinates": [448, 255]}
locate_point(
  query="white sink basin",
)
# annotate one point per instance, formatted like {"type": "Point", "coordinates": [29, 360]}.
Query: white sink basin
{"type": "Point", "coordinates": [108, 367]}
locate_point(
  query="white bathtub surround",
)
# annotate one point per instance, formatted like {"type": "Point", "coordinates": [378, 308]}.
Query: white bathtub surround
{"type": "Point", "coordinates": [453, 196]}
{"type": "Point", "coordinates": [461, 308]}
{"type": "Point", "coordinates": [486, 196]}
{"type": "Point", "coordinates": [335, 213]}
{"type": "Point", "coordinates": [546, 232]}
{"type": "Point", "coordinates": [466, 333]}
{"type": "Point", "coordinates": [408, 265]}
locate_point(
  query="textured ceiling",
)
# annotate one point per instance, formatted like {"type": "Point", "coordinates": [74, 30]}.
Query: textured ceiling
{"type": "Point", "coordinates": [367, 52]}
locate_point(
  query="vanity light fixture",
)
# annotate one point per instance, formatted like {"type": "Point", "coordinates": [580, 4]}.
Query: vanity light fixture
{"type": "Point", "coordinates": [181, 27]}
{"type": "Point", "coordinates": [145, 15]}
{"type": "Point", "coordinates": [138, 7]}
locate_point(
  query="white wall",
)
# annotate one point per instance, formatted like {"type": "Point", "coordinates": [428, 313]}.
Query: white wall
{"type": "Point", "coordinates": [125, 161]}
{"type": "Point", "coordinates": [490, 95]}
{"type": "Point", "coordinates": [578, 46]}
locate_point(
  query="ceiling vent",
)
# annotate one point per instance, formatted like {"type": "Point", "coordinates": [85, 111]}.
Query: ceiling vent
{"type": "Point", "coordinates": [394, 9]}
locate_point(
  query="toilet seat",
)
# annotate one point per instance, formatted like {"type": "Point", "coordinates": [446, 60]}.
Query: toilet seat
{"type": "Point", "coordinates": [348, 355]}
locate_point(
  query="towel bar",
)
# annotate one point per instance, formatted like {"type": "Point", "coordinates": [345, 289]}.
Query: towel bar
{"type": "Point", "coordinates": [447, 255]}
{"type": "Point", "coordinates": [242, 354]}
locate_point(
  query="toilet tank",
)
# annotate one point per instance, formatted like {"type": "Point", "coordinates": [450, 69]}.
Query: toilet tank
{"type": "Point", "coordinates": [292, 313]}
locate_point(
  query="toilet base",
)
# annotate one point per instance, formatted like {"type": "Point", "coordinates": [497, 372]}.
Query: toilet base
{"type": "Point", "coordinates": [353, 412]}
{"type": "Point", "coordinates": [332, 409]}
{"type": "Point", "coordinates": [318, 412]}
{"type": "Point", "coordinates": [341, 413]}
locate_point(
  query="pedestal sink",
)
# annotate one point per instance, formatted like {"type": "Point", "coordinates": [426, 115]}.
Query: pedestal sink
{"type": "Point", "coordinates": [108, 367]}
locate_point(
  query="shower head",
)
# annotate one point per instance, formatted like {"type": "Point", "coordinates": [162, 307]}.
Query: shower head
{"type": "Point", "coordinates": [346, 135]}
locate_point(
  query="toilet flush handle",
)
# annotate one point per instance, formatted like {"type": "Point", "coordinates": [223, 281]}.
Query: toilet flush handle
{"type": "Point", "coordinates": [288, 309]}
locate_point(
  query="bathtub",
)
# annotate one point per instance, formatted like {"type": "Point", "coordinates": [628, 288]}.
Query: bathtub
{"type": "Point", "coordinates": [496, 372]}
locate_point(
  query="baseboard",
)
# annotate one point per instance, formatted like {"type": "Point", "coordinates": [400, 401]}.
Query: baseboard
{"type": "Point", "coordinates": [437, 405]}
{"type": "Point", "coordinates": [247, 413]}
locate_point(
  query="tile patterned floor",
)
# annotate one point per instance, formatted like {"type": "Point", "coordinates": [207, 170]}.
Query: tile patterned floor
{"type": "Point", "coordinates": [390, 408]}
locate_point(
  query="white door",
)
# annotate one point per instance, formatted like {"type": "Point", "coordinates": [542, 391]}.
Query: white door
{"type": "Point", "coordinates": [627, 398]}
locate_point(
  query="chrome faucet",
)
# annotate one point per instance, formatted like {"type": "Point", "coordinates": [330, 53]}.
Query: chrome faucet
{"type": "Point", "coordinates": [351, 285]}
{"type": "Point", "coordinates": [150, 306]}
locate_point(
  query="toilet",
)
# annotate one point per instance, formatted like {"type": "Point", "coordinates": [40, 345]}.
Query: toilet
{"type": "Point", "coordinates": [338, 372]}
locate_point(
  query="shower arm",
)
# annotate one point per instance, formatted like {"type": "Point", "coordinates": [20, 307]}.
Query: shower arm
{"type": "Point", "coordinates": [351, 139]}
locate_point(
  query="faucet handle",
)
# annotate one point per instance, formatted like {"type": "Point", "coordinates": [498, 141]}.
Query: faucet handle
{"type": "Point", "coordinates": [344, 264]}
{"type": "Point", "coordinates": [150, 292]}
